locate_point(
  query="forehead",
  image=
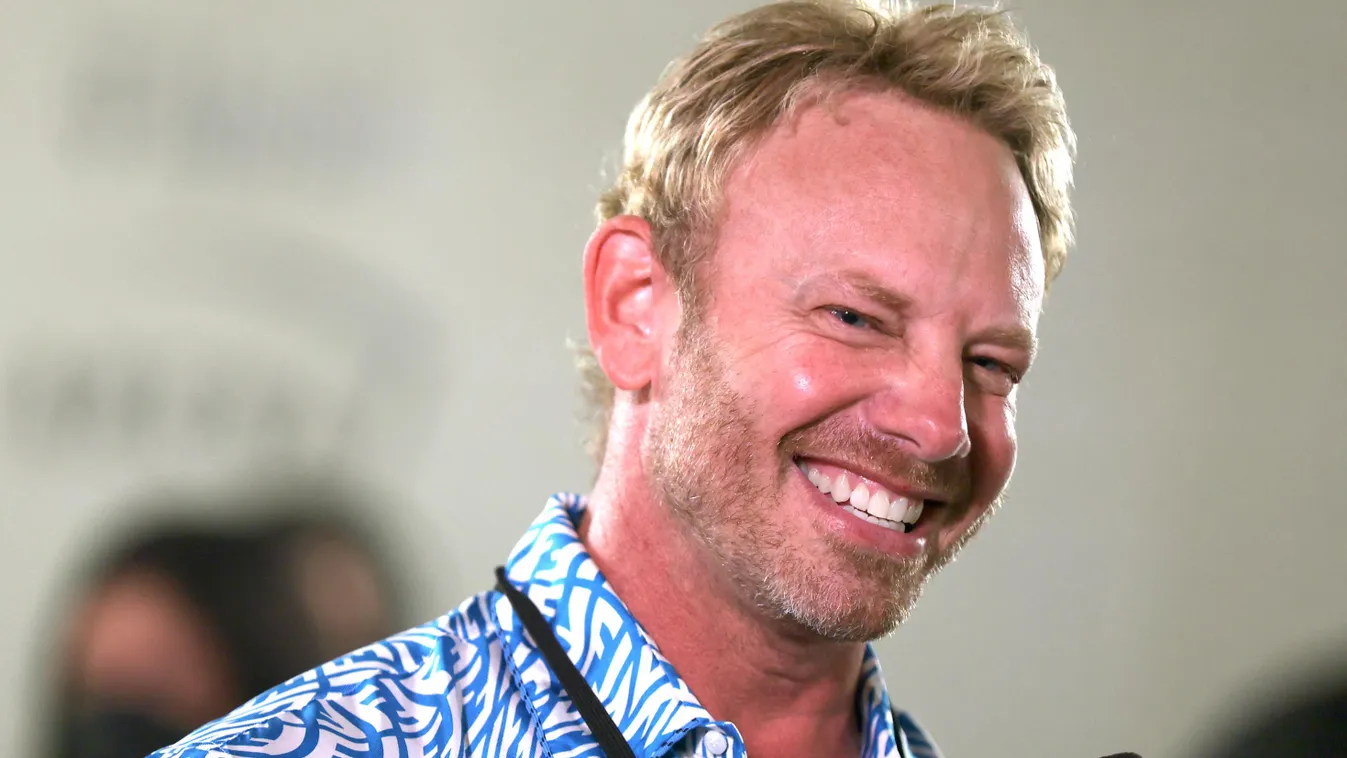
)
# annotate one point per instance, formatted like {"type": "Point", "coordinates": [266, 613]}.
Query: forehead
{"type": "Point", "coordinates": [917, 198]}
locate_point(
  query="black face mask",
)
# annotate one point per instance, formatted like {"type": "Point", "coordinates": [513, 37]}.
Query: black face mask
{"type": "Point", "coordinates": [115, 733]}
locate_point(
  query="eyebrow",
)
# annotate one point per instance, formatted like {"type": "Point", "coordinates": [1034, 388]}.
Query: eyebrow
{"type": "Point", "coordinates": [1016, 337]}
{"type": "Point", "coordinates": [861, 284]}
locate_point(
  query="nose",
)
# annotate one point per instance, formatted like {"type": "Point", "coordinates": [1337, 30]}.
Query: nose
{"type": "Point", "coordinates": [921, 404]}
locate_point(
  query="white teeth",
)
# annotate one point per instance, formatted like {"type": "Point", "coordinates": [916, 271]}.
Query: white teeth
{"type": "Point", "coordinates": [898, 509]}
{"type": "Point", "coordinates": [841, 489]}
{"type": "Point", "coordinates": [894, 526]}
{"type": "Point", "coordinates": [818, 479]}
{"type": "Point", "coordinates": [878, 505]}
{"type": "Point", "coordinates": [913, 512]}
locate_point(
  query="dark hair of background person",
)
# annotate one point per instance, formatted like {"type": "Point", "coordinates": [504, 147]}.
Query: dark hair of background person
{"type": "Point", "coordinates": [1310, 724]}
{"type": "Point", "coordinates": [272, 594]}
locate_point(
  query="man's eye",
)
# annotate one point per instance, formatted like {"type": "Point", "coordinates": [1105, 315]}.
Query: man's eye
{"type": "Point", "coordinates": [1003, 375]}
{"type": "Point", "coordinates": [850, 317]}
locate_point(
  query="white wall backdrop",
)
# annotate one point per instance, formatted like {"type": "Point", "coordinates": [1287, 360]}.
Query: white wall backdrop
{"type": "Point", "coordinates": [259, 237]}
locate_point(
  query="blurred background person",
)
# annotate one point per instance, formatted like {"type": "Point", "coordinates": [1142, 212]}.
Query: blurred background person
{"type": "Point", "coordinates": [184, 619]}
{"type": "Point", "coordinates": [1302, 717]}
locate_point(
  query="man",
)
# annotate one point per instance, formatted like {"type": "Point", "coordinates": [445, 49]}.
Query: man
{"type": "Point", "coordinates": [813, 291]}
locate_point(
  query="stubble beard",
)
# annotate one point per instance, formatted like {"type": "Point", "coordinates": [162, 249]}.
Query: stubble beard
{"type": "Point", "coordinates": [705, 467]}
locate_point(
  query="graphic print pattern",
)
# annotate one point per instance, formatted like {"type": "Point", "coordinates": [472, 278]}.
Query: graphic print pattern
{"type": "Point", "coordinates": [471, 683]}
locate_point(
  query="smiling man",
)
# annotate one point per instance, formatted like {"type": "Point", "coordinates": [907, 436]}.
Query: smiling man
{"type": "Point", "coordinates": [812, 293]}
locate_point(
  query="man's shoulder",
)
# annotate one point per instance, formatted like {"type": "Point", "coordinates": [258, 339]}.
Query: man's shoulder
{"type": "Point", "coordinates": [411, 687]}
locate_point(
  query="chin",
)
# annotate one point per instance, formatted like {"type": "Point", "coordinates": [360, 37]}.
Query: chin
{"type": "Point", "coordinates": [854, 597]}
{"type": "Point", "coordinates": [861, 622]}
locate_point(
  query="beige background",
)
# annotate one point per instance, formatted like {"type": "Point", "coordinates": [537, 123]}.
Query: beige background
{"type": "Point", "coordinates": [366, 219]}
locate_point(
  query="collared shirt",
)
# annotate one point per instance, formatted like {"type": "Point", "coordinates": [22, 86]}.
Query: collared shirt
{"type": "Point", "coordinates": [472, 683]}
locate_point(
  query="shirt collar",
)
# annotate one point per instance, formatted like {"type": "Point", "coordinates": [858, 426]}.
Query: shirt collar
{"type": "Point", "coordinates": [639, 687]}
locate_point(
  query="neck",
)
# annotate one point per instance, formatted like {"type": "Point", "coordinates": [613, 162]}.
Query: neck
{"type": "Point", "coordinates": [788, 691]}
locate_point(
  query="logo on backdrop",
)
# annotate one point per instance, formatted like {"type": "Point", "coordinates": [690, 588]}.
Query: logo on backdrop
{"type": "Point", "coordinates": [220, 346]}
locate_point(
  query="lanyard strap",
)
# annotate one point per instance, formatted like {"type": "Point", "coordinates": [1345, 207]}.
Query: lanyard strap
{"type": "Point", "coordinates": [591, 709]}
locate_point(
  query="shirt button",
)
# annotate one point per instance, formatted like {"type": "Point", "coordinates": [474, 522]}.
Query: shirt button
{"type": "Point", "coordinates": [716, 743]}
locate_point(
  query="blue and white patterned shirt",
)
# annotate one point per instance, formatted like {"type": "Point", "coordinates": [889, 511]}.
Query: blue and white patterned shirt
{"type": "Point", "coordinates": [471, 683]}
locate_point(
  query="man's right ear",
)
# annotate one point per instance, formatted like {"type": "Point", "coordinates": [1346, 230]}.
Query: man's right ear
{"type": "Point", "coordinates": [623, 284]}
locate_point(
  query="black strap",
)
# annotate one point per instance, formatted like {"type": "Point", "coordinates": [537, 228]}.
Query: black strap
{"type": "Point", "coordinates": [591, 709]}
{"type": "Point", "coordinates": [596, 717]}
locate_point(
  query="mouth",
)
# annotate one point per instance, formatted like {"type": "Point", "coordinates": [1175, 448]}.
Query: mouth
{"type": "Point", "coordinates": [865, 499]}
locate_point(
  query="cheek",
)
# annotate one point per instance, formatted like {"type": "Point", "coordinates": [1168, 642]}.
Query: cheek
{"type": "Point", "coordinates": [795, 385]}
{"type": "Point", "coordinates": [992, 426]}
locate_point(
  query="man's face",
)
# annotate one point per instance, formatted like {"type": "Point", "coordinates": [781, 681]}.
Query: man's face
{"type": "Point", "coordinates": [871, 304]}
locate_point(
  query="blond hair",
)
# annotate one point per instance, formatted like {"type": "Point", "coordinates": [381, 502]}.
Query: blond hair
{"type": "Point", "coordinates": [753, 70]}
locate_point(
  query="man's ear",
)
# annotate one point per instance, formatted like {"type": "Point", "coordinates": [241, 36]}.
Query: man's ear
{"type": "Point", "coordinates": [622, 279]}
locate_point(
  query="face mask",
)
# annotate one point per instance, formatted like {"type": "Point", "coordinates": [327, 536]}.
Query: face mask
{"type": "Point", "coordinates": [116, 733]}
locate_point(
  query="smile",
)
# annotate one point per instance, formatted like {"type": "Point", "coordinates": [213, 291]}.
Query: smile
{"type": "Point", "coordinates": [864, 498]}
